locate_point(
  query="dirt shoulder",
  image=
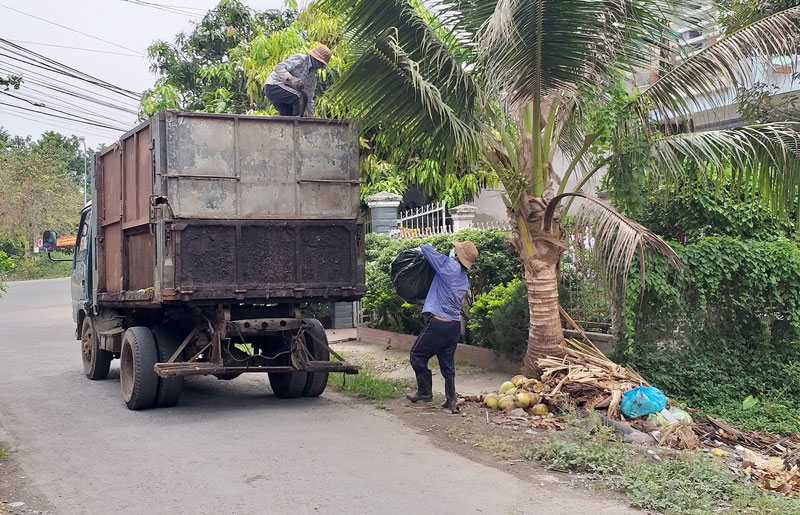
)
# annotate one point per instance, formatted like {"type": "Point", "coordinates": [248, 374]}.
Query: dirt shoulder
{"type": "Point", "coordinates": [17, 494]}
{"type": "Point", "coordinates": [473, 433]}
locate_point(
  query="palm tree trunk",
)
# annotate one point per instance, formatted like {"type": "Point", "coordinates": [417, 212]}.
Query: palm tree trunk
{"type": "Point", "coordinates": [540, 253]}
{"type": "Point", "coordinates": [545, 335]}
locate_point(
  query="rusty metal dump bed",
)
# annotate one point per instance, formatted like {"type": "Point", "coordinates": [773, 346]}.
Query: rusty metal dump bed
{"type": "Point", "coordinates": [209, 208]}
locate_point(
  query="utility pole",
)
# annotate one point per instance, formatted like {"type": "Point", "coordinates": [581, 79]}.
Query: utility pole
{"type": "Point", "coordinates": [83, 140]}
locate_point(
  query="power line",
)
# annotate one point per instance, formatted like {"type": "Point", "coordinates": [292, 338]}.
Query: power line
{"type": "Point", "coordinates": [72, 30]}
{"type": "Point", "coordinates": [63, 117]}
{"type": "Point", "coordinates": [182, 11]}
{"type": "Point", "coordinates": [198, 10]}
{"type": "Point", "coordinates": [96, 82]}
{"type": "Point", "coordinates": [41, 61]}
{"type": "Point", "coordinates": [46, 62]}
{"type": "Point", "coordinates": [76, 48]}
{"type": "Point", "coordinates": [76, 117]}
{"type": "Point", "coordinates": [63, 125]}
{"type": "Point", "coordinates": [32, 77]}
{"type": "Point", "coordinates": [56, 105]}
{"type": "Point", "coordinates": [105, 105]}
{"type": "Point", "coordinates": [17, 69]}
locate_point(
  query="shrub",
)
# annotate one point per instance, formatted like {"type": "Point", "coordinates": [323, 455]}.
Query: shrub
{"type": "Point", "coordinates": [39, 267]}
{"type": "Point", "coordinates": [732, 330]}
{"type": "Point", "coordinates": [6, 266]}
{"type": "Point", "coordinates": [499, 319]}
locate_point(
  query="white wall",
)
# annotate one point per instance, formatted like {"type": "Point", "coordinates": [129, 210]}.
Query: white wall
{"type": "Point", "coordinates": [490, 203]}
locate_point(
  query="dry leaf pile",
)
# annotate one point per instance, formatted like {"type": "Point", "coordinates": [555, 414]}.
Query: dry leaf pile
{"type": "Point", "coordinates": [772, 473]}
{"type": "Point", "coordinates": [588, 377]}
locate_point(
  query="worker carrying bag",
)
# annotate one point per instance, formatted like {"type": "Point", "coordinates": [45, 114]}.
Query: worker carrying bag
{"type": "Point", "coordinates": [412, 275]}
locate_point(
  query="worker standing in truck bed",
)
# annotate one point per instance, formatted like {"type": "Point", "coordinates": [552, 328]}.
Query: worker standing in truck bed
{"type": "Point", "coordinates": [292, 84]}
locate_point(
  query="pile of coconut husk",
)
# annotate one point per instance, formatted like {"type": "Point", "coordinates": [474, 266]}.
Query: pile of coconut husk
{"type": "Point", "coordinates": [587, 377]}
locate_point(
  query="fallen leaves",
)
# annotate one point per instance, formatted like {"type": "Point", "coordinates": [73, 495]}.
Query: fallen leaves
{"type": "Point", "coordinates": [772, 473]}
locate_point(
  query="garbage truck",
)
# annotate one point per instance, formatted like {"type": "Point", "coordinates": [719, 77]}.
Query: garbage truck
{"type": "Point", "coordinates": [204, 236]}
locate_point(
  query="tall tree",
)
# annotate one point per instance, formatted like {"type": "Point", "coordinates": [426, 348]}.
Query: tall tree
{"type": "Point", "coordinates": [518, 92]}
{"type": "Point", "coordinates": [40, 193]}
{"type": "Point", "coordinates": [205, 70]}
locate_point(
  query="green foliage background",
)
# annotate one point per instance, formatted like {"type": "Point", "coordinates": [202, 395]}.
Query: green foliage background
{"type": "Point", "coordinates": [731, 327]}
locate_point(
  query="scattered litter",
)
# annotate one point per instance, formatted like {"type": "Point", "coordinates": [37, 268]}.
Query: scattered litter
{"type": "Point", "coordinates": [679, 436]}
{"type": "Point", "coordinates": [645, 400]}
{"type": "Point", "coordinates": [719, 453]}
{"type": "Point", "coordinates": [16, 504]}
{"type": "Point", "coordinates": [772, 473]}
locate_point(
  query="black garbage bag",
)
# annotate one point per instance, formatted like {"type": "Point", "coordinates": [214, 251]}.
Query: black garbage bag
{"type": "Point", "coordinates": [412, 275]}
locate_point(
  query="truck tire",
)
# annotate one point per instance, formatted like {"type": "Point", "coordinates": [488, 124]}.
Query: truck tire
{"type": "Point", "coordinates": [169, 390]}
{"type": "Point", "coordinates": [137, 377]}
{"type": "Point", "coordinates": [96, 361]}
{"type": "Point", "coordinates": [288, 385]}
{"type": "Point", "coordinates": [316, 382]}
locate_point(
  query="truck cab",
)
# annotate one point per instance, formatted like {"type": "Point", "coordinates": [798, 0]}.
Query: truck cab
{"type": "Point", "coordinates": [82, 268]}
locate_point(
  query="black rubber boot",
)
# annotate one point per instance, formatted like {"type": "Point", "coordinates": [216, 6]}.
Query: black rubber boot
{"type": "Point", "coordinates": [451, 400]}
{"type": "Point", "coordinates": [424, 388]}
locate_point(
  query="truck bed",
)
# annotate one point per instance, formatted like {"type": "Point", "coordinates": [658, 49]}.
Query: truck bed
{"type": "Point", "coordinates": [208, 208]}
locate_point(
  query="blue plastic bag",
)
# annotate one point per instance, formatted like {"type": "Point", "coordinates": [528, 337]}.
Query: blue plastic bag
{"type": "Point", "coordinates": [642, 401]}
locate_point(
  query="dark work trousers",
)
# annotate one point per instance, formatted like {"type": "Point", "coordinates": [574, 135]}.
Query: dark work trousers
{"type": "Point", "coordinates": [438, 338]}
{"type": "Point", "coordinates": [286, 102]}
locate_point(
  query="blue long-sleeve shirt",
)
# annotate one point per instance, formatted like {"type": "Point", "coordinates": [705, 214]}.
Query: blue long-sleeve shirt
{"type": "Point", "coordinates": [449, 285]}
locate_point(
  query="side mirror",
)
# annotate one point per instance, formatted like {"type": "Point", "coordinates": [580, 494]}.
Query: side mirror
{"type": "Point", "coordinates": [49, 239]}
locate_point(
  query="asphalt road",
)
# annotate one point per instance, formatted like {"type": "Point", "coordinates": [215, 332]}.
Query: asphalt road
{"type": "Point", "coordinates": [229, 447]}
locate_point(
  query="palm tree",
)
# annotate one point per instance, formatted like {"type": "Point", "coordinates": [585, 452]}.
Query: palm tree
{"type": "Point", "coordinates": [507, 84]}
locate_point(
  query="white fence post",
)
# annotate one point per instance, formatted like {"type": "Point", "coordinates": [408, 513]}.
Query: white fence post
{"type": "Point", "coordinates": [383, 212]}
{"type": "Point", "coordinates": [462, 216]}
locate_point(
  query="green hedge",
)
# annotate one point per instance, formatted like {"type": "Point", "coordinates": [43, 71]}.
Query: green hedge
{"type": "Point", "coordinates": [731, 330]}
{"type": "Point", "coordinates": [499, 319]}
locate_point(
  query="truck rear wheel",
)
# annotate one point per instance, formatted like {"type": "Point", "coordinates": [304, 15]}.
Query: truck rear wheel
{"type": "Point", "coordinates": [169, 390]}
{"type": "Point", "coordinates": [137, 376]}
{"type": "Point", "coordinates": [287, 385]}
{"type": "Point", "coordinates": [96, 361]}
{"type": "Point", "coordinates": [316, 382]}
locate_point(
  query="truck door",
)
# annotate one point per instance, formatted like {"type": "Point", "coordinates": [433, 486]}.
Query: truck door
{"type": "Point", "coordinates": [81, 261]}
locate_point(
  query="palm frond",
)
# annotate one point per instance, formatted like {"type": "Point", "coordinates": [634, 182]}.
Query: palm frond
{"type": "Point", "coordinates": [465, 17]}
{"type": "Point", "coordinates": [763, 158]}
{"type": "Point", "coordinates": [714, 73]}
{"type": "Point", "coordinates": [532, 47]}
{"type": "Point", "coordinates": [386, 90]}
{"type": "Point", "coordinates": [367, 20]}
{"type": "Point", "coordinates": [616, 240]}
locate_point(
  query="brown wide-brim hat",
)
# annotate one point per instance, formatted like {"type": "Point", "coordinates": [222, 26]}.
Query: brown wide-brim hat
{"type": "Point", "coordinates": [321, 53]}
{"type": "Point", "coordinates": [466, 252]}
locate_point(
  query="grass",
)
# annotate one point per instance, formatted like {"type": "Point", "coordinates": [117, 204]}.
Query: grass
{"type": "Point", "coordinates": [366, 385]}
{"type": "Point", "coordinates": [595, 451]}
{"type": "Point", "coordinates": [688, 484]}
{"type": "Point", "coordinates": [500, 446]}
{"type": "Point", "coordinates": [693, 484]}
{"type": "Point", "coordinates": [39, 267]}
{"type": "Point", "coordinates": [3, 453]}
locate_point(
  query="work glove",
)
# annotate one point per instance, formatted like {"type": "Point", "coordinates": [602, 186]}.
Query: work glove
{"type": "Point", "coordinates": [296, 83]}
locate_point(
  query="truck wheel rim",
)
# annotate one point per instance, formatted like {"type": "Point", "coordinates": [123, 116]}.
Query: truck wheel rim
{"type": "Point", "coordinates": [86, 344]}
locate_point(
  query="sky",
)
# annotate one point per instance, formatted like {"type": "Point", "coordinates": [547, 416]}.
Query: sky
{"type": "Point", "coordinates": [118, 26]}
